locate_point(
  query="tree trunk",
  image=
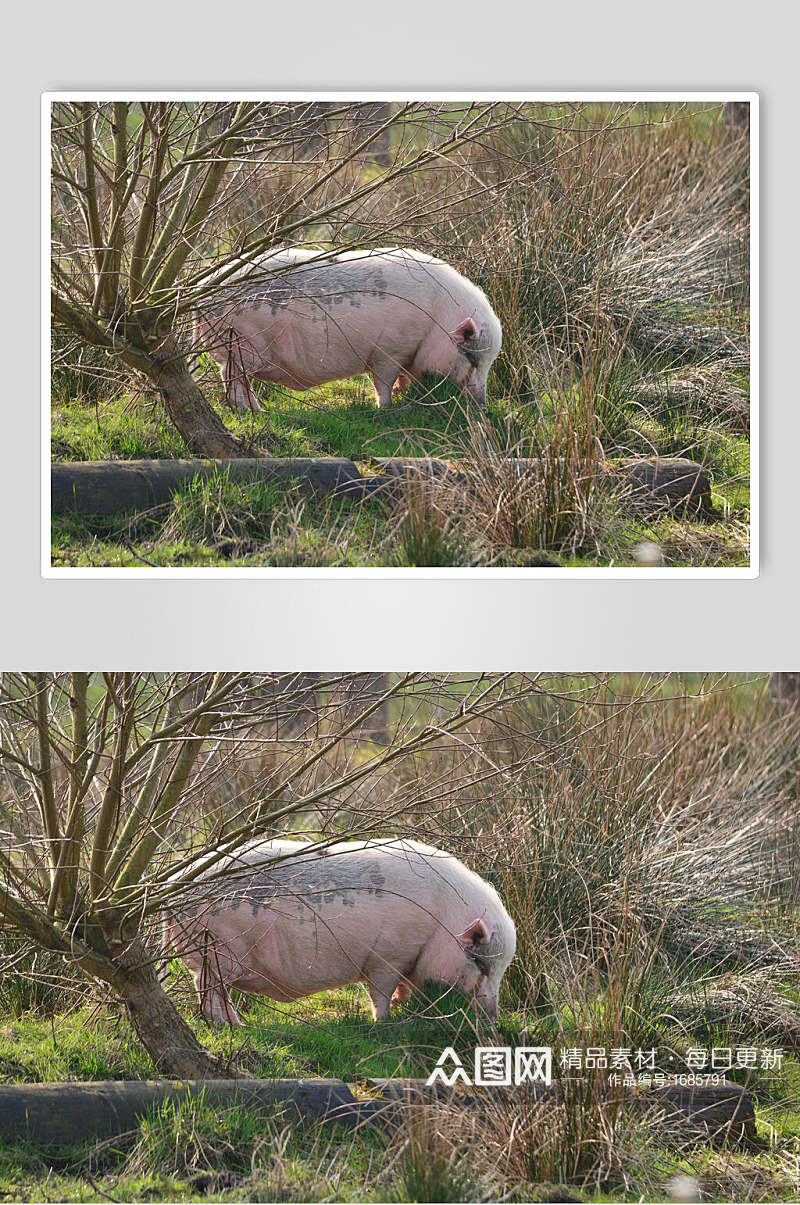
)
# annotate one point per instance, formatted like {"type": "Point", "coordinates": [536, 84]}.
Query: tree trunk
{"type": "Point", "coordinates": [785, 688]}
{"type": "Point", "coordinates": [157, 1023]}
{"type": "Point", "coordinates": [736, 116]}
{"type": "Point", "coordinates": [376, 725]}
{"type": "Point", "coordinates": [371, 116]}
{"type": "Point", "coordinates": [201, 427]}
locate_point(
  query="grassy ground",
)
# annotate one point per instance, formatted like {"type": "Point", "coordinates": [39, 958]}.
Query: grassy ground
{"type": "Point", "coordinates": [220, 525]}
{"type": "Point", "coordinates": [196, 1152]}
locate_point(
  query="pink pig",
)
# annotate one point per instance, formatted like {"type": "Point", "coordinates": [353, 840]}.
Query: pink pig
{"type": "Point", "coordinates": [290, 918]}
{"type": "Point", "coordinates": [300, 318]}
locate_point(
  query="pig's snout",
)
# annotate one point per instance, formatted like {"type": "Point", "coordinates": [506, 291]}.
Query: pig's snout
{"type": "Point", "coordinates": [477, 393]}
{"type": "Point", "coordinates": [489, 1004]}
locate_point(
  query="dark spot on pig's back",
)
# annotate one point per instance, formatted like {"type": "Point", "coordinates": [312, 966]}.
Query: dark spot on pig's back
{"type": "Point", "coordinates": [327, 285]}
{"type": "Point", "coordinates": [304, 886]}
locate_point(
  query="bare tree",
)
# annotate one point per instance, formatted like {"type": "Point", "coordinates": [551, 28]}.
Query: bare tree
{"type": "Point", "coordinates": [155, 204]}
{"type": "Point", "coordinates": [119, 790]}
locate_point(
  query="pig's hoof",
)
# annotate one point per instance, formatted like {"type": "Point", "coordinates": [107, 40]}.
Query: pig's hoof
{"type": "Point", "coordinates": [220, 1016]}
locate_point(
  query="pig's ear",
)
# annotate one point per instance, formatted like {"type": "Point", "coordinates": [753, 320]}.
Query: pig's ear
{"type": "Point", "coordinates": [467, 331]}
{"type": "Point", "coordinates": [475, 934]}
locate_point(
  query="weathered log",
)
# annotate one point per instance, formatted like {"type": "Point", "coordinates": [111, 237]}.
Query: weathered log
{"type": "Point", "coordinates": [117, 486]}
{"type": "Point", "coordinates": [717, 1112]}
{"type": "Point", "coordinates": [372, 485]}
{"type": "Point", "coordinates": [671, 481]}
{"type": "Point", "coordinates": [708, 1112]}
{"type": "Point", "coordinates": [412, 466]}
{"type": "Point", "coordinates": [120, 486]}
{"type": "Point", "coordinates": [61, 1114]}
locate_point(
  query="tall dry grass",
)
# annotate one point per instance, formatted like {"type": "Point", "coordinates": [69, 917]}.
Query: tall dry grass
{"type": "Point", "coordinates": [516, 491]}
{"type": "Point", "coordinates": [621, 243]}
{"type": "Point", "coordinates": [614, 247]}
{"type": "Point", "coordinates": [645, 829]}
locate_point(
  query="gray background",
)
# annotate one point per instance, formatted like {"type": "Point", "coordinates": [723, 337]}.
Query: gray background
{"type": "Point", "coordinates": [392, 623]}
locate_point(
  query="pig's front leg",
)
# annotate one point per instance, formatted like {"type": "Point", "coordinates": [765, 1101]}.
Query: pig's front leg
{"type": "Point", "coordinates": [384, 376]}
{"type": "Point", "coordinates": [402, 992]}
{"type": "Point", "coordinates": [381, 987]}
{"type": "Point", "coordinates": [401, 384]}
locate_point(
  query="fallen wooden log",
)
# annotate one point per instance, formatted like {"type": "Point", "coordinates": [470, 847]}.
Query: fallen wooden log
{"type": "Point", "coordinates": [708, 1112]}
{"type": "Point", "coordinates": [721, 1113]}
{"type": "Point", "coordinates": [414, 466]}
{"type": "Point", "coordinates": [673, 482]}
{"type": "Point", "coordinates": [63, 1114]}
{"type": "Point", "coordinates": [117, 486]}
{"type": "Point", "coordinates": [120, 486]}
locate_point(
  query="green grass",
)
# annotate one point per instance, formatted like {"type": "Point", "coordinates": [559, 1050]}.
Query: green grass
{"type": "Point", "coordinates": [257, 526]}
{"type": "Point", "coordinates": [330, 1034]}
{"type": "Point", "coordinates": [616, 263]}
{"type": "Point", "coordinates": [190, 1151]}
{"type": "Point", "coordinates": [340, 419]}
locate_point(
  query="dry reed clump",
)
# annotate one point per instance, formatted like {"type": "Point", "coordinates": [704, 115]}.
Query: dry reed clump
{"type": "Point", "coordinates": [649, 863]}
{"type": "Point", "coordinates": [531, 490]}
{"type": "Point", "coordinates": [744, 1002]}
{"type": "Point", "coordinates": [511, 494]}
{"type": "Point", "coordinates": [722, 1176]}
{"type": "Point", "coordinates": [430, 527]}
{"type": "Point", "coordinates": [426, 1159]}
{"type": "Point", "coordinates": [682, 543]}
{"type": "Point", "coordinates": [579, 1132]}
{"type": "Point", "coordinates": [518, 1140]}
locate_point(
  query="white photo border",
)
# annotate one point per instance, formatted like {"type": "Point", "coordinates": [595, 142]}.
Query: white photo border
{"type": "Point", "coordinates": [483, 573]}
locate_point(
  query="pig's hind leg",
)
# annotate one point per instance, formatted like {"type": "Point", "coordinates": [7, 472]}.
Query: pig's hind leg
{"type": "Point", "coordinates": [237, 362]}
{"type": "Point", "coordinates": [215, 1000]}
{"type": "Point", "coordinates": [216, 1004]}
{"type": "Point", "coordinates": [238, 390]}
